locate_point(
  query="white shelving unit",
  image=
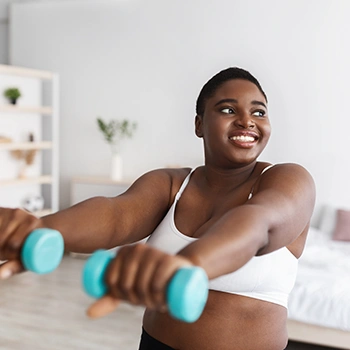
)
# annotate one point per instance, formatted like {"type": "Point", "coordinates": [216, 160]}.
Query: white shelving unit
{"type": "Point", "coordinates": [26, 146]}
{"type": "Point", "coordinates": [37, 113]}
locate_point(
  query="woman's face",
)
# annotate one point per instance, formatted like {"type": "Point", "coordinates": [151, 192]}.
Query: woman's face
{"type": "Point", "coordinates": [235, 126]}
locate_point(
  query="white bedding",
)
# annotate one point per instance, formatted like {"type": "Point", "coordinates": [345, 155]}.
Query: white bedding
{"type": "Point", "coordinates": [321, 295]}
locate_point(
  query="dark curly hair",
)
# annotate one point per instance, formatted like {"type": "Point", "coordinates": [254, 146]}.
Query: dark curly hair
{"type": "Point", "coordinates": [210, 87]}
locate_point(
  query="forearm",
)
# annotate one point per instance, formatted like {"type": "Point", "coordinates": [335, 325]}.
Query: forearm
{"type": "Point", "coordinates": [231, 242]}
{"type": "Point", "coordinates": [89, 225]}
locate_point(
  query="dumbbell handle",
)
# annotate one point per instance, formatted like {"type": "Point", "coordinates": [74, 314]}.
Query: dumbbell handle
{"type": "Point", "coordinates": [187, 291]}
{"type": "Point", "coordinates": [42, 250]}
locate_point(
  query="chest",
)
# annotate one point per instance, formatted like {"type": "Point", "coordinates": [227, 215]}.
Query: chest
{"type": "Point", "coordinates": [197, 210]}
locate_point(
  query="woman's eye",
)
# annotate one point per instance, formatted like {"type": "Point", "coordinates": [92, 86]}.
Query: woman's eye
{"type": "Point", "coordinates": [227, 110]}
{"type": "Point", "coordinates": [259, 113]}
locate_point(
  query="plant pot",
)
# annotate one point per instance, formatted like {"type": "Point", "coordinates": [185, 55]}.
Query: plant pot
{"type": "Point", "coordinates": [13, 101]}
{"type": "Point", "coordinates": [116, 167]}
{"type": "Point", "coordinates": [22, 171]}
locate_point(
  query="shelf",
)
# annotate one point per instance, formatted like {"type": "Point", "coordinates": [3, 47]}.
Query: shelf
{"type": "Point", "coordinates": [45, 179]}
{"type": "Point", "coordinates": [44, 110]}
{"type": "Point", "coordinates": [11, 146]}
{"type": "Point", "coordinates": [37, 114]}
{"type": "Point", "coordinates": [25, 72]}
{"type": "Point", "coordinates": [40, 213]}
{"type": "Point", "coordinates": [99, 180]}
{"type": "Point", "coordinates": [43, 212]}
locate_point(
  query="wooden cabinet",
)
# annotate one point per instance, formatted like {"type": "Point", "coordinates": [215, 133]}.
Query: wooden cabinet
{"type": "Point", "coordinates": [29, 129]}
{"type": "Point", "coordinates": [85, 187]}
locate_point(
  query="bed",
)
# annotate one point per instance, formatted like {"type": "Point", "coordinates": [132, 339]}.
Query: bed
{"type": "Point", "coordinates": [319, 305]}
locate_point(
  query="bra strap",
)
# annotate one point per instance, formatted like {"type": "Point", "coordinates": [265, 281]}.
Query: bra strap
{"type": "Point", "coordinates": [184, 184]}
{"type": "Point", "coordinates": [265, 169]}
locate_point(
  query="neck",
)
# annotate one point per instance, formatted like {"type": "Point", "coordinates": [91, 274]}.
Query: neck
{"type": "Point", "coordinates": [227, 179]}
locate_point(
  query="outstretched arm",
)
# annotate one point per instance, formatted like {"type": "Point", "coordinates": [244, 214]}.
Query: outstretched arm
{"type": "Point", "coordinates": [274, 217]}
{"type": "Point", "coordinates": [95, 223]}
{"type": "Point", "coordinates": [102, 222]}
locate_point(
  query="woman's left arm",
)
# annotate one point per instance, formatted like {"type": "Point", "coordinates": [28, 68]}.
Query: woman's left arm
{"type": "Point", "coordinates": [274, 217]}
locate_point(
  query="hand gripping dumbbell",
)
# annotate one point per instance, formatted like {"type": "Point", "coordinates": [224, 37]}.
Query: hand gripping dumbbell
{"type": "Point", "coordinates": [42, 250]}
{"type": "Point", "coordinates": [186, 295]}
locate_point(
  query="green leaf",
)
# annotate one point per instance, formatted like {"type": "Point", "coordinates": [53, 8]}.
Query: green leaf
{"type": "Point", "coordinates": [115, 130]}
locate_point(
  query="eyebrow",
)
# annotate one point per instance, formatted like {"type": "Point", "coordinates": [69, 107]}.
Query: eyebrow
{"type": "Point", "coordinates": [259, 103]}
{"type": "Point", "coordinates": [232, 100]}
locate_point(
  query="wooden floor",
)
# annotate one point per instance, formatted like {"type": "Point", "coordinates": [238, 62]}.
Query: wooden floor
{"type": "Point", "coordinates": [47, 312]}
{"type": "Point", "coordinates": [40, 312]}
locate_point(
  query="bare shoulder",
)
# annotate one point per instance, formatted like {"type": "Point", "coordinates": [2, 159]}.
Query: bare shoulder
{"type": "Point", "coordinates": [160, 180]}
{"type": "Point", "coordinates": [290, 167]}
{"type": "Point", "coordinates": [286, 193]}
{"type": "Point", "coordinates": [287, 174]}
{"type": "Point", "coordinates": [284, 186]}
{"type": "Point", "coordinates": [164, 175]}
{"type": "Point", "coordinates": [147, 201]}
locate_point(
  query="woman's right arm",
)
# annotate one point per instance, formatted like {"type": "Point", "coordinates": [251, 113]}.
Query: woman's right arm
{"type": "Point", "coordinates": [98, 222]}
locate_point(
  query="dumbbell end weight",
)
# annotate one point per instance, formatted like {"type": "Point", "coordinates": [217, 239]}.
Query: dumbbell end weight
{"type": "Point", "coordinates": [94, 272]}
{"type": "Point", "coordinates": [42, 251]}
{"type": "Point", "coordinates": [187, 292]}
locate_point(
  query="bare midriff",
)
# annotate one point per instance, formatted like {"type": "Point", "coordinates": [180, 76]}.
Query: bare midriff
{"type": "Point", "coordinates": [229, 322]}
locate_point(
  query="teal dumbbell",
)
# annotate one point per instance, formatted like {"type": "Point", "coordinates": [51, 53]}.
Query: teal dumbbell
{"type": "Point", "coordinates": [187, 292]}
{"type": "Point", "coordinates": [42, 250]}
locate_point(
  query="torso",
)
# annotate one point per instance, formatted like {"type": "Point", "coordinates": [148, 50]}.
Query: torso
{"type": "Point", "coordinates": [229, 321]}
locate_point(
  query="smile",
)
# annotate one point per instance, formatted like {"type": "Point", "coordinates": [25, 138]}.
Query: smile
{"type": "Point", "coordinates": [243, 138]}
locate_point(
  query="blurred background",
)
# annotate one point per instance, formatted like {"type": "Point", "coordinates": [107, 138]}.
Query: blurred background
{"type": "Point", "coordinates": [147, 60]}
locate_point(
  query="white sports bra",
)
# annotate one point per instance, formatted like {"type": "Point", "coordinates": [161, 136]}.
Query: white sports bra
{"type": "Point", "coordinates": [269, 277]}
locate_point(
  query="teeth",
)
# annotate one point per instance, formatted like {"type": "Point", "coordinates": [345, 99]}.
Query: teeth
{"type": "Point", "coordinates": [243, 138]}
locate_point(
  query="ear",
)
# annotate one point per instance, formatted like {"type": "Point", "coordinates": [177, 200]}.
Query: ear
{"type": "Point", "coordinates": [199, 124]}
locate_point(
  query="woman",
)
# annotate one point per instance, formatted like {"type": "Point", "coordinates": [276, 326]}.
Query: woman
{"type": "Point", "coordinates": [243, 221]}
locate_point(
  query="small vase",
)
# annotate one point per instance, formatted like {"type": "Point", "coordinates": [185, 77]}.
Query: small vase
{"type": "Point", "coordinates": [22, 172]}
{"type": "Point", "coordinates": [116, 167]}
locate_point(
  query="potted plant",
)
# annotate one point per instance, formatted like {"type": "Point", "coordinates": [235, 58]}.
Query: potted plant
{"type": "Point", "coordinates": [12, 94]}
{"type": "Point", "coordinates": [113, 132]}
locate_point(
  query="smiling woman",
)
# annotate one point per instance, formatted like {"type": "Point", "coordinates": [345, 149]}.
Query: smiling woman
{"type": "Point", "coordinates": [244, 222]}
{"type": "Point", "coordinates": [243, 118]}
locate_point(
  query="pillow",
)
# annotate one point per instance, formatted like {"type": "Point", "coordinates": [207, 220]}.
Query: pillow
{"type": "Point", "coordinates": [328, 220]}
{"type": "Point", "coordinates": [342, 226]}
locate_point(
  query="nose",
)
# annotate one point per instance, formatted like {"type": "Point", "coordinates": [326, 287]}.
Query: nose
{"type": "Point", "coordinates": [245, 121]}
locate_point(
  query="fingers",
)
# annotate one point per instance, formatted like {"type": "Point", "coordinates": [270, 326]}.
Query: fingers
{"type": "Point", "coordinates": [102, 307]}
{"type": "Point", "coordinates": [162, 276]}
{"type": "Point", "coordinates": [140, 274]}
{"type": "Point", "coordinates": [15, 226]}
{"type": "Point", "coordinates": [142, 286]}
{"type": "Point", "coordinates": [10, 268]}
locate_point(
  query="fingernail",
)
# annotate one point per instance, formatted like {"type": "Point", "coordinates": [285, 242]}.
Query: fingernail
{"type": "Point", "coordinates": [5, 274]}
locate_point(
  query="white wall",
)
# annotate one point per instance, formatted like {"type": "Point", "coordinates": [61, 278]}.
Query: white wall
{"type": "Point", "coordinates": [4, 27]}
{"type": "Point", "coordinates": [147, 60]}
{"type": "Point", "coordinates": [3, 32]}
